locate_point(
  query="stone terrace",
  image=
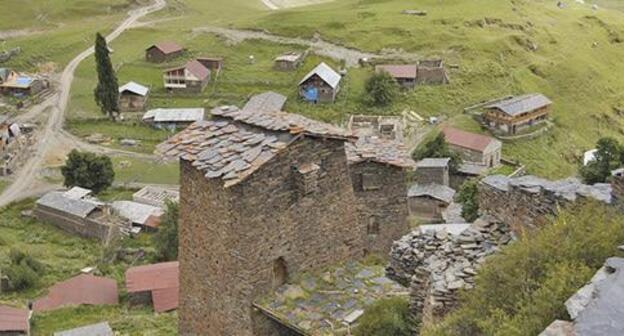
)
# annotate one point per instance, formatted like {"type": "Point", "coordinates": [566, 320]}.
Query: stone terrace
{"type": "Point", "coordinates": [318, 304]}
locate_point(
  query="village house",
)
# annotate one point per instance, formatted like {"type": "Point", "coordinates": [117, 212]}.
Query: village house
{"type": "Point", "coordinates": [405, 74]}
{"type": "Point", "coordinates": [144, 216]}
{"type": "Point", "coordinates": [75, 212]}
{"type": "Point", "coordinates": [156, 285]}
{"type": "Point", "coordinates": [266, 102]}
{"type": "Point", "coordinates": [132, 97]}
{"type": "Point", "coordinates": [433, 170]}
{"type": "Point", "coordinates": [321, 85]}
{"type": "Point", "coordinates": [173, 118]}
{"type": "Point", "coordinates": [289, 61]}
{"type": "Point", "coordinates": [98, 329]}
{"type": "Point", "coordinates": [190, 78]}
{"type": "Point", "coordinates": [379, 170]}
{"type": "Point", "coordinates": [214, 64]}
{"type": "Point", "coordinates": [278, 192]}
{"type": "Point", "coordinates": [431, 72]}
{"type": "Point", "coordinates": [427, 202]}
{"type": "Point", "coordinates": [383, 127]}
{"type": "Point", "coordinates": [14, 321]}
{"type": "Point", "coordinates": [474, 148]}
{"type": "Point", "coordinates": [517, 113]}
{"type": "Point", "coordinates": [84, 289]}
{"type": "Point", "coordinates": [163, 52]}
{"type": "Point", "coordinates": [20, 84]}
{"type": "Point", "coordinates": [156, 196]}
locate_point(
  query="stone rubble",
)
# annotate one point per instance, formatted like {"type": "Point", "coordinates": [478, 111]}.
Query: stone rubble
{"type": "Point", "coordinates": [436, 264]}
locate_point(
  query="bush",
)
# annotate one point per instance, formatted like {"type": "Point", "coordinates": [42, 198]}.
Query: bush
{"type": "Point", "coordinates": [166, 239]}
{"type": "Point", "coordinates": [24, 271]}
{"type": "Point", "coordinates": [88, 170]}
{"type": "Point", "coordinates": [437, 147]}
{"type": "Point", "coordinates": [469, 198]}
{"type": "Point", "coordinates": [523, 289]}
{"type": "Point", "coordinates": [609, 156]}
{"type": "Point", "coordinates": [382, 89]}
{"type": "Point", "coordinates": [385, 317]}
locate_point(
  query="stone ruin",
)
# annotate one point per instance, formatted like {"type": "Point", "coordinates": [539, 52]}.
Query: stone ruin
{"type": "Point", "coordinates": [437, 263]}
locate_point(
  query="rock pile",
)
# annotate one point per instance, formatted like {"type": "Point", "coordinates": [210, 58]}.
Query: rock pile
{"type": "Point", "coordinates": [436, 264]}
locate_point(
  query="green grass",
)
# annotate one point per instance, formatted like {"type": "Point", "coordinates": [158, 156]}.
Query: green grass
{"type": "Point", "coordinates": [131, 170]}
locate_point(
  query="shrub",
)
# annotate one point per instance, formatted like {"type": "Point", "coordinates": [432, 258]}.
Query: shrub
{"type": "Point", "coordinates": [609, 156]}
{"type": "Point", "coordinates": [437, 147]}
{"type": "Point", "coordinates": [24, 271]}
{"type": "Point", "coordinates": [386, 317]}
{"type": "Point", "coordinates": [88, 170]}
{"type": "Point", "coordinates": [166, 239]}
{"type": "Point", "coordinates": [382, 89]}
{"type": "Point", "coordinates": [469, 198]}
{"type": "Point", "coordinates": [522, 290]}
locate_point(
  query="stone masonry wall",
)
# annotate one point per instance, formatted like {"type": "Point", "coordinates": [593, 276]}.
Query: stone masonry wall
{"type": "Point", "coordinates": [385, 208]}
{"type": "Point", "coordinates": [230, 239]}
{"type": "Point", "coordinates": [526, 202]}
{"type": "Point", "coordinates": [84, 227]}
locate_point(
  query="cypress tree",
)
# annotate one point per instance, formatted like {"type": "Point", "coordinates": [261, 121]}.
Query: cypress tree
{"type": "Point", "coordinates": [107, 90]}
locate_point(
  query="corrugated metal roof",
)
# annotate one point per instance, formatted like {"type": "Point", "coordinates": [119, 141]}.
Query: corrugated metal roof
{"type": "Point", "coordinates": [14, 319]}
{"type": "Point", "coordinates": [468, 140]}
{"type": "Point", "coordinates": [135, 88]}
{"type": "Point", "coordinates": [167, 47]}
{"type": "Point", "coordinates": [437, 191]}
{"type": "Point", "coordinates": [326, 73]}
{"type": "Point", "coordinates": [99, 329]}
{"type": "Point", "coordinates": [175, 114]}
{"type": "Point", "coordinates": [521, 104]}
{"type": "Point", "coordinates": [266, 102]}
{"type": "Point", "coordinates": [138, 213]}
{"type": "Point", "coordinates": [57, 200]}
{"type": "Point", "coordinates": [161, 279]}
{"type": "Point", "coordinates": [399, 71]}
{"type": "Point", "coordinates": [82, 289]}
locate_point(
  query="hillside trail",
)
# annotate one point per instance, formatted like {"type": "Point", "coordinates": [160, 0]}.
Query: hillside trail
{"type": "Point", "coordinates": [321, 47]}
{"type": "Point", "coordinates": [51, 136]}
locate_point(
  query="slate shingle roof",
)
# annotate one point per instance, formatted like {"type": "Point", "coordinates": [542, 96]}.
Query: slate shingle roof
{"type": "Point", "coordinates": [266, 102]}
{"type": "Point", "coordinates": [521, 104]}
{"type": "Point", "coordinates": [58, 201]}
{"type": "Point", "coordinates": [437, 191]}
{"type": "Point", "coordinates": [433, 162]}
{"type": "Point", "coordinates": [379, 150]}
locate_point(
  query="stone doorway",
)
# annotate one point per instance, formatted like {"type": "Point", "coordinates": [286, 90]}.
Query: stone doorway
{"type": "Point", "coordinates": [280, 272]}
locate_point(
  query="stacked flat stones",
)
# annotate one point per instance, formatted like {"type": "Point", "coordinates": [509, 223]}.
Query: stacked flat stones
{"type": "Point", "coordinates": [436, 264]}
{"type": "Point", "coordinates": [371, 148]}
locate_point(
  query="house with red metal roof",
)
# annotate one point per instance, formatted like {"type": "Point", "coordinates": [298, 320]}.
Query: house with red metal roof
{"type": "Point", "coordinates": [163, 51]}
{"type": "Point", "coordinates": [474, 148]}
{"type": "Point", "coordinates": [404, 74]}
{"type": "Point", "coordinates": [84, 289]}
{"type": "Point", "coordinates": [14, 321]}
{"type": "Point", "coordinates": [191, 77]}
{"type": "Point", "coordinates": [156, 284]}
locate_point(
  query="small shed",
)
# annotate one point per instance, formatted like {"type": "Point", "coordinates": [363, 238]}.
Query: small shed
{"type": "Point", "coordinates": [431, 72]}
{"type": "Point", "coordinates": [265, 102]}
{"type": "Point", "coordinates": [427, 202]}
{"type": "Point", "coordinates": [156, 196]}
{"type": "Point", "coordinates": [132, 97]}
{"type": "Point", "coordinates": [98, 329]}
{"type": "Point", "coordinates": [156, 284]}
{"type": "Point", "coordinates": [14, 321]}
{"type": "Point", "coordinates": [321, 85]}
{"type": "Point", "coordinates": [473, 147]}
{"type": "Point", "coordinates": [21, 84]}
{"type": "Point", "coordinates": [405, 75]}
{"type": "Point", "coordinates": [289, 61]}
{"type": "Point", "coordinates": [143, 215]}
{"type": "Point", "coordinates": [163, 51]}
{"type": "Point", "coordinates": [433, 170]}
{"type": "Point", "coordinates": [173, 118]}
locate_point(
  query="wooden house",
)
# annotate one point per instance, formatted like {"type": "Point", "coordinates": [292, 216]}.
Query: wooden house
{"type": "Point", "coordinates": [163, 52]}
{"type": "Point", "coordinates": [289, 61]}
{"type": "Point", "coordinates": [517, 113]}
{"type": "Point", "coordinates": [405, 75]}
{"type": "Point", "coordinates": [191, 77]}
{"type": "Point", "coordinates": [321, 85]}
{"type": "Point", "coordinates": [474, 148]}
{"type": "Point", "coordinates": [132, 97]}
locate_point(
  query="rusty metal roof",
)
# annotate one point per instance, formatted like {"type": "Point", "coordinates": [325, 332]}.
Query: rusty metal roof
{"type": "Point", "coordinates": [399, 70]}
{"type": "Point", "coordinates": [161, 279]}
{"type": "Point", "coordinates": [167, 47]}
{"type": "Point", "coordinates": [468, 140]}
{"type": "Point", "coordinates": [14, 319]}
{"type": "Point", "coordinates": [82, 289]}
{"type": "Point", "coordinates": [370, 148]}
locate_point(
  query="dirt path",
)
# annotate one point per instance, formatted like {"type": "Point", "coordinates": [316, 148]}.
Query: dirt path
{"type": "Point", "coordinates": [51, 135]}
{"type": "Point", "coordinates": [319, 46]}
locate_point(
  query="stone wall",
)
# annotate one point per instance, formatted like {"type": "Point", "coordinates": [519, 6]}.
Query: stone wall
{"type": "Point", "coordinates": [427, 175]}
{"type": "Point", "coordinates": [90, 227]}
{"type": "Point", "coordinates": [381, 203]}
{"type": "Point", "coordinates": [231, 240]}
{"type": "Point", "coordinates": [437, 264]}
{"type": "Point", "coordinates": [527, 201]}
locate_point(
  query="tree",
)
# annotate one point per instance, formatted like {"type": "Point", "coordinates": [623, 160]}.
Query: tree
{"type": "Point", "coordinates": [382, 89]}
{"type": "Point", "coordinates": [166, 239]}
{"type": "Point", "coordinates": [88, 170]}
{"type": "Point", "coordinates": [437, 147]}
{"type": "Point", "coordinates": [469, 198]}
{"type": "Point", "coordinates": [386, 317]}
{"type": "Point", "coordinates": [107, 90]}
{"type": "Point", "coordinates": [608, 157]}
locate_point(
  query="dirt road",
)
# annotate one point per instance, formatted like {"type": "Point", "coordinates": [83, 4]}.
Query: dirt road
{"type": "Point", "coordinates": [51, 135]}
{"type": "Point", "coordinates": [321, 47]}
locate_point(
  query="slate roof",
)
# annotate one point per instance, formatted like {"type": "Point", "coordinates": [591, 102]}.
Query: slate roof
{"type": "Point", "coordinates": [434, 190]}
{"type": "Point", "coordinates": [99, 329]}
{"type": "Point", "coordinates": [82, 289]}
{"type": "Point", "coordinates": [137, 213]}
{"type": "Point", "coordinates": [472, 169]}
{"type": "Point", "coordinates": [135, 88]}
{"type": "Point", "coordinates": [58, 201]}
{"type": "Point", "coordinates": [167, 47]}
{"type": "Point", "coordinates": [399, 70]}
{"type": "Point", "coordinates": [326, 73]}
{"type": "Point", "coordinates": [433, 163]}
{"type": "Point", "coordinates": [175, 114]}
{"type": "Point", "coordinates": [468, 140]}
{"type": "Point", "coordinates": [238, 142]}
{"type": "Point", "coordinates": [161, 279]}
{"type": "Point", "coordinates": [521, 104]}
{"type": "Point", "coordinates": [369, 148]}
{"type": "Point", "coordinates": [14, 319]}
{"type": "Point", "coordinates": [454, 228]}
{"type": "Point", "coordinates": [266, 102]}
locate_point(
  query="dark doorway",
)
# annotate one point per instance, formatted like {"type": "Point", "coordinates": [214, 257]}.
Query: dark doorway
{"type": "Point", "coordinates": [280, 272]}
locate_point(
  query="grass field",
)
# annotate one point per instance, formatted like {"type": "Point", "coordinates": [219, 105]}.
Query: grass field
{"type": "Point", "coordinates": [63, 256]}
